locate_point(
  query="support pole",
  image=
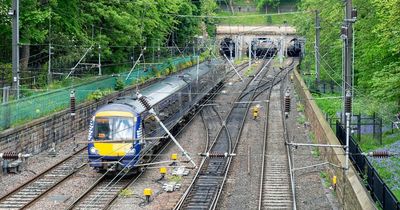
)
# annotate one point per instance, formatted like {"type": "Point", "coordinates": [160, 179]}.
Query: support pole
{"type": "Point", "coordinates": [249, 54]}
{"type": "Point", "coordinates": [49, 75]}
{"type": "Point", "coordinates": [197, 70]}
{"type": "Point", "coordinates": [173, 138]}
{"type": "Point", "coordinates": [145, 103]}
{"type": "Point", "coordinates": [15, 46]}
{"type": "Point", "coordinates": [347, 36]}
{"type": "Point", "coordinates": [134, 65]}
{"type": "Point", "coordinates": [347, 140]}
{"type": "Point", "coordinates": [230, 63]}
{"type": "Point", "coordinates": [316, 48]}
{"type": "Point", "coordinates": [99, 64]}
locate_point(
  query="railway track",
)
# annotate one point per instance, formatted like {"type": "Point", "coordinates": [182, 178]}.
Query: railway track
{"type": "Point", "coordinates": [102, 193]}
{"type": "Point", "coordinates": [212, 122]}
{"type": "Point", "coordinates": [205, 189]}
{"type": "Point", "coordinates": [275, 184]}
{"type": "Point", "coordinates": [35, 188]}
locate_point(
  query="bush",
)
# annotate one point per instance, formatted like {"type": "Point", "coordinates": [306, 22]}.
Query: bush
{"type": "Point", "coordinates": [119, 85]}
{"type": "Point", "coordinates": [98, 94]}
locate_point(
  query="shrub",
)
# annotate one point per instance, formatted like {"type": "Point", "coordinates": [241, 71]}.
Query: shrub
{"type": "Point", "coordinates": [98, 94]}
{"type": "Point", "coordinates": [119, 85]}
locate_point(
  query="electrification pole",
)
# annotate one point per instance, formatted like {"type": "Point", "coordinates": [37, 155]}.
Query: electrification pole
{"type": "Point", "coordinates": [347, 36]}
{"type": "Point", "coordinates": [317, 54]}
{"type": "Point", "coordinates": [49, 75]}
{"type": "Point", "coordinates": [14, 12]}
{"type": "Point", "coordinates": [99, 63]}
{"type": "Point", "coordinates": [249, 53]}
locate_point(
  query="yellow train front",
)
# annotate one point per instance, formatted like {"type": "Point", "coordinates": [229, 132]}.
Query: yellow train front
{"type": "Point", "coordinates": [123, 134]}
{"type": "Point", "coordinates": [113, 138]}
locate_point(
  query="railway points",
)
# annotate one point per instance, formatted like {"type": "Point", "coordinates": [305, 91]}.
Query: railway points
{"type": "Point", "coordinates": [221, 134]}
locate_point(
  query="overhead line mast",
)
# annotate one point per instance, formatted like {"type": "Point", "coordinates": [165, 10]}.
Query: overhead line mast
{"type": "Point", "coordinates": [347, 36]}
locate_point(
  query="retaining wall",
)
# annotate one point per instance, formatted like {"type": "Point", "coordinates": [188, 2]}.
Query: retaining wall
{"type": "Point", "coordinates": [350, 190]}
{"type": "Point", "coordinates": [38, 135]}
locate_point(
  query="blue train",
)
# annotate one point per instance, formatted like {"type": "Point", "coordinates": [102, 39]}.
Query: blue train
{"type": "Point", "coordinates": [119, 131]}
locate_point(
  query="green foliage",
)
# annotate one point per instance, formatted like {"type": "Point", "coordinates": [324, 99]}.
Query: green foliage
{"type": "Point", "coordinates": [255, 18]}
{"type": "Point", "coordinates": [117, 26]}
{"type": "Point", "coordinates": [119, 85]}
{"type": "Point", "coordinates": [368, 143]}
{"type": "Point", "coordinates": [377, 47]}
{"type": "Point", "coordinates": [269, 19]}
{"type": "Point", "coordinates": [301, 119]}
{"type": "Point", "coordinates": [262, 3]}
{"type": "Point", "coordinates": [299, 107]}
{"type": "Point", "coordinates": [326, 179]}
{"type": "Point", "coordinates": [126, 193]}
{"type": "Point", "coordinates": [98, 94]}
{"type": "Point", "coordinates": [175, 178]}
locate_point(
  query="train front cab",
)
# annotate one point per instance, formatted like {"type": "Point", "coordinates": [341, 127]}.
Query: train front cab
{"type": "Point", "coordinates": [111, 145]}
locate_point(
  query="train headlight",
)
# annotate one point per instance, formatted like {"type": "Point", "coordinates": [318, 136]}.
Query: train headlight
{"type": "Point", "coordinates": [93, 151]}
{"type": "Point", "coordinates": [131, 151]}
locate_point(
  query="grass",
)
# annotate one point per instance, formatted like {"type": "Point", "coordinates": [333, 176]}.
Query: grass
{"type": "Point", "coordinates": [325, 177]}
{"type": "Point", "coordinates": [126, 193]}
{"type": "Point", "coordinates": [301, 119]}
{"type": "Point", "coordinates": [368, 143]}
{"type": "Point", "coordinates": [255, 18]}
{"type": "Point", "coordinates": [299, 107]}
{"type": "Point", "coordinates": [386, 173]}
{"type": "Point", "coordinates": [239, 61]}
{"type": "Point", "coordinates": [175, 178]}
{"type": "Point", "coordinates": [250, 71]}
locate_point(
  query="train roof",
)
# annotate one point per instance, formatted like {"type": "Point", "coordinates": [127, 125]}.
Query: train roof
{"type": "Point", "coordinates": [162, 89]}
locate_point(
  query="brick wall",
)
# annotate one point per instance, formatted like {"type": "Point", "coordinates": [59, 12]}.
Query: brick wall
{"type": "Point", "coordinates": [350, 190]}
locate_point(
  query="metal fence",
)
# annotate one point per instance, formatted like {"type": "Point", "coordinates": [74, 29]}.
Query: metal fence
{"type": "Point", "coordinates": [324, 86]}
{"type": "Point", "coordinates": [361, 124]}
{"type": "Point", "coordinates": [380, 192]}
{"type": "Point", "coordinates": [20, 111]}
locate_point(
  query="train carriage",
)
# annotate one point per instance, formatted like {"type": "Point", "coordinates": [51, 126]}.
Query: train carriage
{"type": "Point", "coordinates": [117, 131]}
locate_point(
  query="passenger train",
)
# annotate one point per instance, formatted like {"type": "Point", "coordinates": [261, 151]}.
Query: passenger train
{"type": "Point", "coordinates": [263, 47]}
{"type": "Point", "coordinates": [123, 134]}
{"type": "Point", "coordinates": [227, 47]}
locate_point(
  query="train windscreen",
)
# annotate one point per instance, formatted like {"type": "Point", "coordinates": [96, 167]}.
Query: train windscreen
{"type": "Point", "coordinates": [114, 128]}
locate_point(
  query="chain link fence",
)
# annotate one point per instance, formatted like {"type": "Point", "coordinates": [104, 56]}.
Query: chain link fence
{"type": "Point", "coordinates": [20, 111]}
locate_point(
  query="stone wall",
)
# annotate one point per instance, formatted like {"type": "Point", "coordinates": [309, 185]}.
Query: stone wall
{"type": "Point", "coordinates": [350, 190]}
{"type": "Point", "coordinates": [38, 135]}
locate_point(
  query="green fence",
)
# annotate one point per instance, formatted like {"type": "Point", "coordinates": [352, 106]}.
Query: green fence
{"type": "Point", "coordinates": [23, 110]}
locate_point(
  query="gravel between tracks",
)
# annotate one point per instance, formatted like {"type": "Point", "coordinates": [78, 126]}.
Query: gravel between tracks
{"type": "Point", "coordinates": [310, 190]}
{"type": "Point", "coordinates": [193, 139]}
{"type": "Point", "coordinates": [242, 186]}
{"type": "Point", "coordinates": [38, 163]}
